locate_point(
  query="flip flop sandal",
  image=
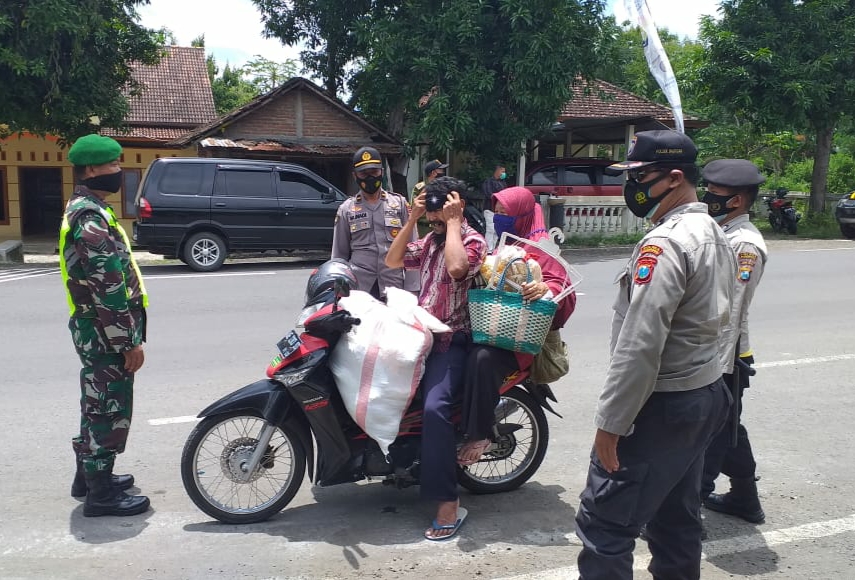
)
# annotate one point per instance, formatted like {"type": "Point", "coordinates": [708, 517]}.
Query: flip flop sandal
{"type": "Point", "coordinates": [455, 527]}
{"type": "Point", "coordinates": [484, 446]}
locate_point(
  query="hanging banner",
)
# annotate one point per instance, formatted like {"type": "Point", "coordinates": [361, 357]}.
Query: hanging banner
{"type": "Point", "coordinates": [657, 60]}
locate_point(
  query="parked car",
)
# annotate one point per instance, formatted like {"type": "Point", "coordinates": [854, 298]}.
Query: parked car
{"type": "Point", "coordinates": [845, 214]}
{"type": "Point", "coordinates": [574, 176]}
{"type": "Point", "coordinates": [200, 210]}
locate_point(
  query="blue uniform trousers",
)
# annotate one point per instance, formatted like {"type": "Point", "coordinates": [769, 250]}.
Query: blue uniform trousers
{"type": "Point", "coordinates": [658, 484]}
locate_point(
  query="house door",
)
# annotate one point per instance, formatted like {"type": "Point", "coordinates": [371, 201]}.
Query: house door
{"type": "Point", "coordinates": [41, 200]}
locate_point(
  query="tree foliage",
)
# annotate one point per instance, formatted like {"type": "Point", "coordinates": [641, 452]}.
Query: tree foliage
{"type": "Point", "coordinates": [785, 63]}
{"type": "Point", "coordinates": [265, 74]}
{"type": "Point", "coordinates": [327, 28]}
{"type": "Point", "coordinates": [63, 62]}
{"type": "Point", "coordinates": [476, 77]}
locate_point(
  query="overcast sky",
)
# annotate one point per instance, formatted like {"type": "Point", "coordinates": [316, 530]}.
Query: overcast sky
{"type": "Point", "coordinates": [233, 28]}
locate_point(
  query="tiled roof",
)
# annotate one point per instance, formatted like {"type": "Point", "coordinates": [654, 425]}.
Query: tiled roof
{"type": "Point", "coordinates": [601, 100]}
{"type": "Point", "coordinates": [147, 133]}
{"type": "Point", "coordinates": [296, 148]}
{"type": "Point", "coordinates": [175, 92]}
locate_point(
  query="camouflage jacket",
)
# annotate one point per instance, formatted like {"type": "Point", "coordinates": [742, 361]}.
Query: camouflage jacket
{"type": "Point", "coordinates": [102, 283]}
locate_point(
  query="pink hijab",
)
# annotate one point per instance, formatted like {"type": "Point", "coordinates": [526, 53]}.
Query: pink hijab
{"type": "Point", "coordinates": [519, 203]}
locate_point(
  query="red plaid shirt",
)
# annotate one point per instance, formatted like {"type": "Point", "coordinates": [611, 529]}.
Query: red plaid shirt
{"type": "Point", "coordinates": [442, 295]}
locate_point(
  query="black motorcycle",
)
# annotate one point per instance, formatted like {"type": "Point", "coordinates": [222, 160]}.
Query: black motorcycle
{"type": "Point", "coordinates": [782, 215]}
{"type": "Point", "coordinates": [246, 459]}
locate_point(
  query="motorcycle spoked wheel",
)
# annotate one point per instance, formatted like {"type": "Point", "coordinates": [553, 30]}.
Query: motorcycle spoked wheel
{"type": "Point", "coordinates": [519, 450]}
{"type": "Point", "coordinates": [213, 462]}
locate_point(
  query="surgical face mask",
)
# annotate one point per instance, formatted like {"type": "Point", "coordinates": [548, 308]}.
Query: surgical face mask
{"type": "Point", "coordinates": [717, 205]}
{"type": "Point", "coordinates": [503, 176]}
{"type": "Point", "coordinates": [637, 196]}
{"type": "Point", "coordinates": [503, 223]}
{"type": "Point", "coordinates": [110, 182]}
{"type": "Point", "coordinates": [370, 184]}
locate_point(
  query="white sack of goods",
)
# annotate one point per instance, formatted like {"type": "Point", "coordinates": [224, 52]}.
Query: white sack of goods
{"type": "Point", "coordinates": [378, 364]}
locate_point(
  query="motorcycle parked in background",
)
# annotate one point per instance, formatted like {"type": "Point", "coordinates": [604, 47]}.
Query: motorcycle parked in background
{"type": "Point", "coordinates": [246, 459]}
{"type": "Point", "coordinates": [783, 217]}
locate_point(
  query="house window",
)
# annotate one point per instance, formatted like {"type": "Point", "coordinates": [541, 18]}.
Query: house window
{"type": "Point", "coordinates": [131, 181]}
{"type": "Point", "coordinates": [4, 199]}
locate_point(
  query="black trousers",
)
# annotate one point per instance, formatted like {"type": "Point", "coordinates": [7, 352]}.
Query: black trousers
{"type": "Point", "coordinates": [658, 484]}
{"type": "Point", "coordinates": [486, 370]}
{"type": "Point", "coordinates": [736, 462]}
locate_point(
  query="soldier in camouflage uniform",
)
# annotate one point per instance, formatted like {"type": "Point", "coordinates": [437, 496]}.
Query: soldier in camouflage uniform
{"type": "Point", "coordinates": [107, 301]}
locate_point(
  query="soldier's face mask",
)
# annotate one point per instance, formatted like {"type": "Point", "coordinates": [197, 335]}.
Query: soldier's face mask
{"type": "Point", "coordinates": [636, 194]}
{"type": "Point", "coordinates": [109, 182]}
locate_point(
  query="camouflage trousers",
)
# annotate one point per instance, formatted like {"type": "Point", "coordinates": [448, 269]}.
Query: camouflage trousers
{"type": "Point", "coordinates": [106, 404]}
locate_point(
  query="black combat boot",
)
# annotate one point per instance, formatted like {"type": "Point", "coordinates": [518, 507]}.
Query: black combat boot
{"type": "Point", "coordinates": [104, 499]}
{"type": "Point", "coordinates": [741, 501]}
{"type": "Point", "coordinates": [78, 486]}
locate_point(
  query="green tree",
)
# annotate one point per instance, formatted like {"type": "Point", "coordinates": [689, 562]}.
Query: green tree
{"type": "Point", "coordinates": [784, 64]}
{"type": "Point", "coordinates": [265, 74]}
{"type": "Point", "coordinates": [478, 77]}
{"type": "Point", "coordinates": [65, 61]}
{"type": "Point", "coordinates": [329, 29]}
{"type": "Point", "coordinates": [231, 90]}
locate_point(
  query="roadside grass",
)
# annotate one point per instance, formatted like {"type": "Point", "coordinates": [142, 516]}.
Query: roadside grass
{"type": "Point", "coordinates": [812, 226]}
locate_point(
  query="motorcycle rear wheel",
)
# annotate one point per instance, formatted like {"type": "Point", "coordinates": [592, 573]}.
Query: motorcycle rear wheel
{"type": "Point", "coordinates": [519, 451]}
{"type": "Point", "coordinates": [212, 466]}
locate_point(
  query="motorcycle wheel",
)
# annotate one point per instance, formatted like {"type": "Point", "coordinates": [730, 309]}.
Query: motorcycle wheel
{"type": "Point", "coordinates": [519, 450]}
{"type": "Point", "coordinates": [213, 461]}
{"type": "Point", "coordinates": [773, 221]}
{"type": "Point", "coordinates": [792, 227]}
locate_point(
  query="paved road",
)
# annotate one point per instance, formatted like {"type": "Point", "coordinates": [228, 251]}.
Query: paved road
{"type": "Point", "coordinates": [212, 333]}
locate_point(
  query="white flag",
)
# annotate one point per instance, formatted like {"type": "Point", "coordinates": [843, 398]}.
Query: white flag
{"type": "Point", "coordinates": [657, 60]}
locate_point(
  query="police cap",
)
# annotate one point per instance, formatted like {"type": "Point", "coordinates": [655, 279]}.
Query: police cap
{"type": "Point", "coordinates": [732, 173]}
{"type": "Point", "coordinates": [367, 158]}
{"type": "Point", "coordinates": [660, 146]}
{"type": "Point", "coordinates": [432, 166]}
{"type": "Point", "coordinates": [94, 150]}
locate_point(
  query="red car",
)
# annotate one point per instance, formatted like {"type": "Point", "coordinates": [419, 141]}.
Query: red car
{"type": "Point", "coordinates": [574, 176]}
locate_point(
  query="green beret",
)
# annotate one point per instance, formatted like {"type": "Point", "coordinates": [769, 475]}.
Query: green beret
{"type": "Point", "coordinates": [94, 150]}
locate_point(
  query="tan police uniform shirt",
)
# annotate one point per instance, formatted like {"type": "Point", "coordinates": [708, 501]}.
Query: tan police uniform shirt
{"type": "Point", "coordinates": [751, 255]}
{"type": "Point", "coordinates": [363, 234]}
{"type": "Point", "coordinates": [673, 300]}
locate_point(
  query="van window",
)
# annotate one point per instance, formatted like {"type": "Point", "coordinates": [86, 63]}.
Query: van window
{"type": "Point", "coordinates": [577, 175]}
{"type": "Point", "coordinates": [545, 176]}
{"type": "Point", "coordinates": [182, 179]}
{"type": "Point", "coordinates": [294, 185]}
{"type": "Point", "coordinates": [236, 183]}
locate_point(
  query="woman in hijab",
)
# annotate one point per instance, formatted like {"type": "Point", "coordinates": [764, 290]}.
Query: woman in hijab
{"type": "Point", "coordinates": [486, 367]}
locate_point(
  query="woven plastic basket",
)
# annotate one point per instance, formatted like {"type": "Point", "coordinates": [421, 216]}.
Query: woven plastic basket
{"type": "Point", "coordinates": [505, 320]}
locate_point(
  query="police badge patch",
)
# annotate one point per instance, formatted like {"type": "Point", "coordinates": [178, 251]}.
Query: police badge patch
{"type": "Point", "coordinates": [644, 269]}
{"type": "Point", "coordinates": [747, 260]}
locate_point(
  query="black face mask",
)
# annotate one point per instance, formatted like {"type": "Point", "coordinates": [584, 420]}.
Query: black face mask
{"type": "Point", "coordinates": [637, 196]}
{"type": "Point", "coordinates": [717, 205]}
{"type": "Point", "coordinates": [369, 185]}
{"type": "Point", "coordinates": [111, 182]}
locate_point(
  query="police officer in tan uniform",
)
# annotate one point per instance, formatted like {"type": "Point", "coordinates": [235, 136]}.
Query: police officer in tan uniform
{"type": "Point", "coordinates": [732, 188]}
{"type": "Point", "coordinates": [664, 398]}
{"type": "Point", "coordinates": [367, 224]}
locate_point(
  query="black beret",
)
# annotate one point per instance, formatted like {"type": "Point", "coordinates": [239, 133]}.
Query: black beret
{"type": "Point", "coordinates": [732, 173]}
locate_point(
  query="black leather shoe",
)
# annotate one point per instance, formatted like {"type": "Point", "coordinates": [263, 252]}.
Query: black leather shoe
{"type": "Point", "coordinates": [78, 486]}
{"type": "Point", "coordinates": [741, 501]}
{"type": "Point", "coordinates": [104, 499]}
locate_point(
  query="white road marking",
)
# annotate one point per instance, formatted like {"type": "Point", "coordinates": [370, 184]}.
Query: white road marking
{"type": "Point", "coordinates": [827, 250]}
{"type": "Point", "coordinates": [717, 548]}
{"type": "Point", "coordinates": [24, 273]}
{"type": "Point", "coordinates": [804, 361]}
{"type": "Point", "coordinates": [173, 420]}
{"type": "Point", "coordinates": [166, 276]}
{"type": "Point", "coordinates": [772, 364]}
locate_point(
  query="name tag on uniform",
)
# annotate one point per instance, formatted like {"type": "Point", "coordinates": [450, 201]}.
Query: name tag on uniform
{"type": "Point", "coordinates": [359, 226]}
{"type": "Point", "coordinates": [357, 216]}
{"type": "Point", "coordinates": [393, 222]}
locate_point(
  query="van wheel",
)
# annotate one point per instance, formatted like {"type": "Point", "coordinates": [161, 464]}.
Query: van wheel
{"type": "Point", "coordinates": [205, 251]}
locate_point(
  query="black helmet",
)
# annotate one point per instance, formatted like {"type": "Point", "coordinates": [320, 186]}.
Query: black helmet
{"type": "Point", "coordinates": [320, 289]}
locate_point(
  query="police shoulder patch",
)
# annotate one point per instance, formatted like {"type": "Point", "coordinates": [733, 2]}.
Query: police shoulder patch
{"type": "Point", "coordinates": [644, 267]}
